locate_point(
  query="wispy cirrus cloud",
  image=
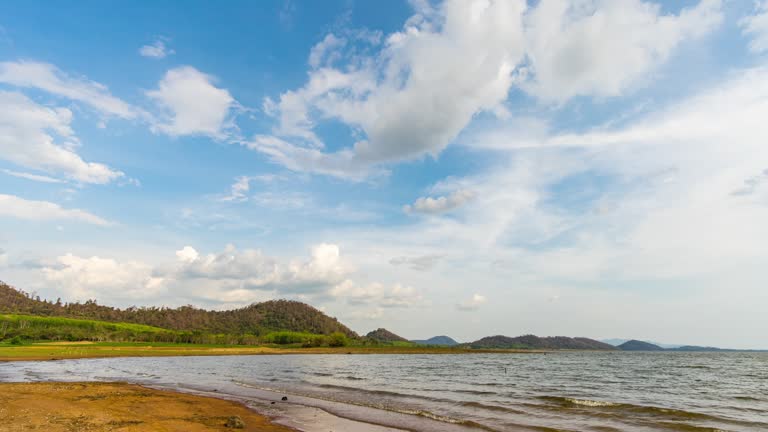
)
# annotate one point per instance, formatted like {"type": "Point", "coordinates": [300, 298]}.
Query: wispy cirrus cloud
{"type": "Point", "coordinates": [49, 78]}
{"type": "Point", "coordinates": [20, 208]}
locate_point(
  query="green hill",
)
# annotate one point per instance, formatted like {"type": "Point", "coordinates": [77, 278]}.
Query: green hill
{"type": "Point", "coordinates": [636, 345]}
{"type": "Point", "coordinates": [437, 340]}
{"type": "Point", "coordinates": [238, 325]}
{"type": "Point", "coordinates": [382, 335]}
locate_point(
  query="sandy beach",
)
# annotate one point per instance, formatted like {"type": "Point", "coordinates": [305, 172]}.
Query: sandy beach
{"type": "Point", "coordinates": [83, 407]}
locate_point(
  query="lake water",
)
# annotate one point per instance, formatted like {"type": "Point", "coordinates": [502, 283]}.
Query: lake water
{"type": "Point", "coordinates": [561, 391]}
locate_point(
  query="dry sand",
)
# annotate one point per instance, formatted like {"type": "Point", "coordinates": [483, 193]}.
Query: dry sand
{"type": "Point", "coordinates": [84, 407]}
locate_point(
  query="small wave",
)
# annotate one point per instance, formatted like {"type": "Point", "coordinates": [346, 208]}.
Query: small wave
{"type": "Point", "coordinates": [579, 402]}
{"type": "Point", "coordinates": [637, 409]}
{"type": "Point", "coordinates": [479, 405]}
{"type": "Point", "coordinates": [475, 392]}
{"type": "Point", "coordinates": [414, 412]}
{"type": "Point", "coordinates": [322, 374]}
{"type": "Point", "coordinates": [747, 398]}
{"type": "Point", "coordinates": [688, 427]}
{"type": "Point", "coordinates": [354, 378]}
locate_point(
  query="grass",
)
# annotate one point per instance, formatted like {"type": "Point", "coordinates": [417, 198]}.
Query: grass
{"type": "Point", "coordinates": [70, 350]}
{"type": "Point", "coordinates": [14, 326]}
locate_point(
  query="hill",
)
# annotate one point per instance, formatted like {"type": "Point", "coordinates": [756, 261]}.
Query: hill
{"type": "Point", "coordinates": [536, 342]}
{"type": "Point", "coordinates": [636, 345]}
{"type": "Point", "coordinates": [256, 319]}
{"type": "Point", "coordinates": [437, 340]}
{"type": "Point", "coordinates": [385, 336]}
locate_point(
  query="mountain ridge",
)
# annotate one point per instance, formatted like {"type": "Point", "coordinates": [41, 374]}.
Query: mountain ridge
{"type": "Point", "coordinates": [436, 340]}
{"type": "Point", "coordinates": [536, 342]}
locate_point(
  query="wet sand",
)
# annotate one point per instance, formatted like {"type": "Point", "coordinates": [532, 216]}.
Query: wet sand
{"type": "Point", "coordinates": [83, 407]}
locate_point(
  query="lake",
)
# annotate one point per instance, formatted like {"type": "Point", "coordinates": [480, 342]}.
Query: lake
{"type": "Point", "coordinates": [559, 391]}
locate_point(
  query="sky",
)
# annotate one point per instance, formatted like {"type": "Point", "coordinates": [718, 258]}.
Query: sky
{"type": "Point", "coordinates": [591, 168]}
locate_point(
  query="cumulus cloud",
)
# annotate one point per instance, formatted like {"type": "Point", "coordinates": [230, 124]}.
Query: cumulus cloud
{"type": "Point", "coordinates": [39, 137]}
{"type": "Point", "coordinates": [756, 27]}
{"type": "Point", "coordinates": [49, 78]}
{"type": "Point", "coordinates": [20, 208]}
{"type": "Point", "coordinates": [420, 263]}
{"type": "Point", "coordinates": [193, 105]}
{"type": "Point", "coordinates": [156, 50]}
{"type": "Point", "coordinates": [254, 270]}
{"type": "Point", "coordinates": [412, 98]}
{"type": "Point", "coordinates": [232, 277]}
{"type": "Point", "coordinates": [98, 278]}
{"type": "Point", "coordinates": [602, 47]}
{"type": "Point", "coordinates": [425, 83]}
{"type": "Point", "coordinates": [442, 204]}
{"type": "Point", "coordinates": [326, 51]}
{"type": "Point", "coordinates": [472, 304]}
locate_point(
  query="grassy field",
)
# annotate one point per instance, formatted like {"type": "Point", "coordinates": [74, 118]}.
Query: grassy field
{"type": "Point", "coordinates": [58, 328]}
{"type": "Point", "coordinates": [70, 350]}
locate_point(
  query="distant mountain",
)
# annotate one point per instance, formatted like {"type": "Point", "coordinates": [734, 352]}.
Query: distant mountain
{"type": "Point", "coordinates": [614, 342]}
{"type": "Point", "coordinates": [535, 342]}
{"type": "Point", "coordinates": [617, 342]}
{"type": "Point", "coordinates": [693, 348]}
{"type": "Point", "coordinates": [384, 335]}
{"type": "Point", "coordinates": [437, 340]}
{"type": "Point", "coordinates": [636, 345]}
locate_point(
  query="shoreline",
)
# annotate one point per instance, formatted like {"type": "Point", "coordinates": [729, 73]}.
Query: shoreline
{"type": "Point", "coordinates": [63, 406]}
{"type": "Point", "coordinates": [100, 406]}
{"type": "Point", "coordinates": [79, 350]}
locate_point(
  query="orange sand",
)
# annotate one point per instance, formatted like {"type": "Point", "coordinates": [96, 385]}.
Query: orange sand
{"type": "Point", "coordinates": [84, 407]}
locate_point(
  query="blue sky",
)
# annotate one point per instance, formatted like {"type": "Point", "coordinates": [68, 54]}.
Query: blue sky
{"type": "Point", "coordinates": [586, 168]}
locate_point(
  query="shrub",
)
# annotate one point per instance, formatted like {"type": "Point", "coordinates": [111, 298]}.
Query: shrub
{"type": "Point", "coordinates": [338, 339]}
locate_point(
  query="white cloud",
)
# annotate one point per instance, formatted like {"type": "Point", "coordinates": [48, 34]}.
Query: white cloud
{"type": "Point", "coordinates": [232, 277]}
{"type": "Point", "coordinates": [27, 133]}
{"type": "Point", "coordinates": [756, 26]}
{"type": "Point", "coordinates": [30, 176]}
{"type": "Point", "coordinates": [239, 189]}
{"type": "Point", "coordinates": [675, 197]}
{"type": "Point", "coordinates": [193, 104]}
{"type": "Point", "coordinates": [20, 208]}
{"type": "Point", "coordinates": [416, 93]}
{"type": "Point", "coordinates": [49, 78]}
{"type": "Point", "coordinates": [753, 184]}
{"type": "Point", "coordinates": [156, 50]}
{"type": "Point", "coordinates": [472, 304]}
{"type": "Point", "coordinates": [420, 263]}
{"type": "Point", "coordinates": [602, 47]}
{"type": "Point", "coordinates": [442, 204]}
{"type": "Point", "coordinates": [376, 294]}
{"type": "Point", "coordinates": [99, 278]}
{"type": "Point", "coordinates": [409, 100]}
{"type": "Point", "coordinates": [254, 270]}
{"type": "Point", "coordinates": [326, 51]}
{"type": "Point", "coordinates": [3, 258]}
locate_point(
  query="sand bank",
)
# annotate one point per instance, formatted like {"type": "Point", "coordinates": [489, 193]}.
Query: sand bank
{"type": "Point", "coordinates": [83, 407]}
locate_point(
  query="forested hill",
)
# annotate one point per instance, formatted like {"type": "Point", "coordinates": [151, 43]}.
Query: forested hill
{"type": "Point", "coordinates": [536, 342]}
{"type": "Point", "coordinates": [256, 319]}
{"type": "Point", "coordinates": [384, 335]}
